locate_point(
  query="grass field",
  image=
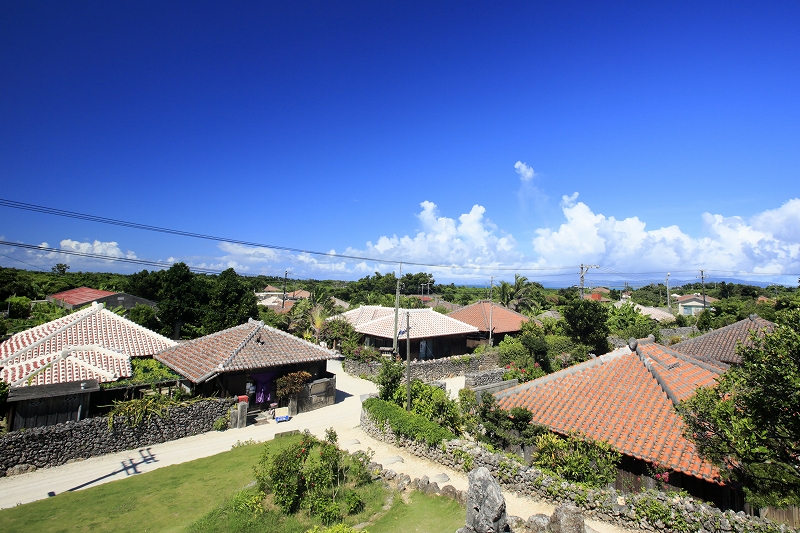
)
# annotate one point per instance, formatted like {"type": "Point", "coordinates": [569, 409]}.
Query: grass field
{"type": "Point", "coordinates": [195, 496]}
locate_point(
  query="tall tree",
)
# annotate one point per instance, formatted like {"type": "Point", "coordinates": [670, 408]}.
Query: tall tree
{"type": "Point", "coordinates": [749, 423]}
{"type": "Point", "coordinates": [587, 323]}
{"type": "Point", "coordinates": [180, 297]}
{"type": "Point", "coordinates": [232, 302]}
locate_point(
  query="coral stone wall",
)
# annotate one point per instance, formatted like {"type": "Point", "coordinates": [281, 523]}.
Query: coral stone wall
{"type": "Point", "coordinates": [431, 369]}
{"type": "Point", "coordinates": [55, 445]}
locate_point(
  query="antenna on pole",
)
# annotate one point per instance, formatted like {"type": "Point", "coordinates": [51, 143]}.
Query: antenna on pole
{"type": "Point", "coordinates": [703, 281]}
{"type": "Point", "coordinates": [584, 270]}
{"type": "Point", "coordinates": [669, 305]}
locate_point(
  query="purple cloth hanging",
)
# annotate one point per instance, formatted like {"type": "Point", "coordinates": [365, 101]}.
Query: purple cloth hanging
{"type": "Point", "coordinates": [263, 386]}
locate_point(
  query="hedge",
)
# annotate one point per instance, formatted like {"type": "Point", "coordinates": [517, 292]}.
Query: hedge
{"type": "Point", "coordinates": [406, 424]}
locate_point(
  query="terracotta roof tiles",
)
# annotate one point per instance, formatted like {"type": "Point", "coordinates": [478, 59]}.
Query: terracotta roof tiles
{"type": "Point", "coordinates": [625, 398]}
{"type": "Point", "coordinates": [249, 346]}
{"type": "Point", "coordinates": [90, 344]}
{"type": "Point", "coordinates": [80, 296]}
{"type": "Point", "coordinates": [720, 344]}
{"type": "Point", "coordinates": [503, 320]}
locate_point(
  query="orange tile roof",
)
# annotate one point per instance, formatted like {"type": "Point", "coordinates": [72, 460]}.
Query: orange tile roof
{"type": "Point", "coordinates": [503, 320]}
{"type": "Point", "coordinates": [721, 343]}
{"type": "Point", "coordinates": [80, 296]}
{"type": "Point", "coordinates": [99, 344]}
{"type": "Point", "coordinates": [249, 346]}
{"type": "Point", "coordinates": [626, 398]}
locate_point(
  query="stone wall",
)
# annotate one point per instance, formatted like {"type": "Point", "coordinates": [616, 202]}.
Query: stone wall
{"type": "Point", "coordinates": [683, 333]}
{"type": "Point", "coordinates": [487, 377]}
{"type": "Point", "coordinates": [432, 369]}
{"type": "Point", "coordinates": [648, 510]}
{"type": "Point", "coordinates": [58, 444]}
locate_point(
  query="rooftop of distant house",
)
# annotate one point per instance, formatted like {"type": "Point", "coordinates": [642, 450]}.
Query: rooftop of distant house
{"type": "Point", "coordinates": [721, 344]}
{"type": "Point", "coordinates": [483, 313]}
{"type": "Point", "coordinates": [80, 296]}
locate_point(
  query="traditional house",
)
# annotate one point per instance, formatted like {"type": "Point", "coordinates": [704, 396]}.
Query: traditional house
{"type": "Point", "coordinates": [248, 359]}
{"type": "Point", "coordinates": [693, 304]}
{"type": "Point", "coordinates": [77, 298]}
{"type": "Point", "coordinates": [627, 398]}
{"type": "Point", "coordinates": [52, 368]}
{"type": "Point", "coordinates": [488, 316]}
{"type": "Point", "coordinates": [720, 344]}
{"type": "Point", "coordinates": [432, 335]}
{"type": "Point", "coordinates": [659, 315]}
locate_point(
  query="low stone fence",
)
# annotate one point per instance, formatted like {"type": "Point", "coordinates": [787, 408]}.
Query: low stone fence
{"type": "Point", "coordinates": [431, 369]}
{"type": "Point", "coordinates": [41, 447]}
{"type": "Point", "coordinates": [683, 333]}
{"type": "Point", "coordinates": [646, 510]}
{"type": "Point", "coordinates": [314, 395]}
{"type": "Point", "coordinates": [487, 377]}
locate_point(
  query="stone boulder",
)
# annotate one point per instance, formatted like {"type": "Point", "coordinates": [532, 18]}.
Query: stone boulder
{"type": "Point", "coordinates": [486, 506]}
{"type": "Point", "coordinates": [566, 519]}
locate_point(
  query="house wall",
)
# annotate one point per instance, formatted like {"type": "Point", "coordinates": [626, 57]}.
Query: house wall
{"type": "Point", "coordinates": [126, 301]}
{"type": "Point", "coordinates": [40, 412]}
{"type": "Point", "coordinates": [232, 384]}
{"type": "Point", "coordinates": [444, 346]}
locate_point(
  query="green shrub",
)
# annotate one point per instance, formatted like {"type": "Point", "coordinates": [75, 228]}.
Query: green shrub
{"type": "Point", "coordinates": [406, 424]}
{"type": "Point", "coordinates": [389, 378]}
{"type": "Point", "coordinates": [576, 458]}
{"type": "Point", "coordinates": [291, 384]}
{"type": "Point", "coordinates": [432, 403]}
{"type": "Point", "coordinates": [221, 423]}
{"type": "Point", "coordinates": [18, 307]}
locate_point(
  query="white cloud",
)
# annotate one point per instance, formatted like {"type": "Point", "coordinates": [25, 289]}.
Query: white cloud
{"type": "Point", "coordinates": [110, 248]}
{"type": "Point", "coordinates": [525, 172]}
{"type": "Point", "coordinates": [769, 242]}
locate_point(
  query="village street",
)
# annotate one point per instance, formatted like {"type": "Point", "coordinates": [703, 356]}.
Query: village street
{"type": "Point", "coordinates": [342, 416]}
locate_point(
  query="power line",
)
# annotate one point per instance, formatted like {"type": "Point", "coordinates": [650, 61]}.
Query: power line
{"type": "Point", "coordinates": [24, 263]}
{"type": "Point", "coordinates": [135, 225]}
{"type": "Point", "coordinates": [145, 262]}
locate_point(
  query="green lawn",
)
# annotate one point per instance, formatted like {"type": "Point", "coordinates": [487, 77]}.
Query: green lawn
{"type": "Point", "coordinates": [167, 499]}
{"type": "Point", "coordinates": [424, 514]}
{"type": "Point", "coordinates": [196, 496]}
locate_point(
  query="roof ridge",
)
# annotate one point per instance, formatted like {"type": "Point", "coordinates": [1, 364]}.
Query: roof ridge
{"type": "Point", "coordinates": [244, 342]}
{"type": "Point", "coordinates": [650, 366]}
{"type": "Point", "coordinates": [290, 336]}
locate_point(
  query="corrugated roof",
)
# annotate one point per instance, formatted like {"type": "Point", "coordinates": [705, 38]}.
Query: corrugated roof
{"type": "Point", "coordinates": [503, 320]}
{"type": "Point", "coordinates": [625, 398]}
{"type": "Point", "coordinates": [80, 296]}
{"type": "Point", "coordinates": [249, 346]}
{"type": "Point", "coordinates": [721, 343]}
{"type": "Point", "coordinates": [90, 344]}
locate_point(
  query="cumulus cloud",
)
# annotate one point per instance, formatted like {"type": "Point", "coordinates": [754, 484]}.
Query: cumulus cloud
{"type": "Point", "coordinates": [525, 172]}
{"type": "Point", "coordinates": [110, 248]}
{"type": "Point", "coordinates": [471, 240]}
{"type": "Point", "coordinates": [769, 242]}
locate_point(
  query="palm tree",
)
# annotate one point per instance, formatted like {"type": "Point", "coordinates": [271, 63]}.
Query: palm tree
{"type": "Point", "coordinates": [318, 316]}
{"type": "Point", "coordinates": [518, 297]}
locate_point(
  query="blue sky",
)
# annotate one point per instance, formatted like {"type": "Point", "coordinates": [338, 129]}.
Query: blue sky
{"type": "Point", "coordinates": [455, 133]}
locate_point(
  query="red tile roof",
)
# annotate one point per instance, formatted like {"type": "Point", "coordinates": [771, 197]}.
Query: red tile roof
{"type": "Point", "coordinates": [721, 343]}
{"type": "Point", "coordinates": [80, 296]}
{"type": "Point", "coordinates": [249, 346]}
{"type": "Point", "coordinates": [626, 399]}
{"type": "Point", "coordinates": [503, 320]}
{"type": "Point", "coordinates": [98, 345]}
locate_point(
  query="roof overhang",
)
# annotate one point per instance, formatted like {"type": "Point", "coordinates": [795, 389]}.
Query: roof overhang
{"type": "Point", "coordinates": [32, 392]}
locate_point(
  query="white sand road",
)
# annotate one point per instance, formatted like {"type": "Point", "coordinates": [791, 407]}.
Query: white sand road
{"type": "Point", "coordinates": [343, 417]}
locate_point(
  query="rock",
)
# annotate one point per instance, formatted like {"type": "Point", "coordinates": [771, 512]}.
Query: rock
{"type": "Point", "coordinates": [566, 519]}
{"type": "Point", "coordinates": [441, 478]}
{"type": "Point", "coordinates": [538, 523]}
{"type": "Point", "coordinates": [450, 491]}
{"type": "Point", "coordinates": [20, 469]}
{"type": "Point", "coordinates": [486, 507]}
{"type": "Point", "coordinates": [431, 488]}
{"type": "Point", "coordinates": [516, 523]}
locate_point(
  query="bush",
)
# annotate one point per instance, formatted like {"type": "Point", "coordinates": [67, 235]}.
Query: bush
{"type": "Point", "coordinates": [405, 424]}
{"type": "Point", "coordinates": [221, 423]}
{"type": "Point", "coordinates": [291, 384]}
{"type": "Point", "coordinates": [432, 403]}
{"type": "Point", "coordinates": [389, 378]}
{"type": "Point", "coordinates": [576, 458]}
{"type": "Point", "coordinates": [18, 307]}
{"type": "Point", "coordinates": [522, 374]}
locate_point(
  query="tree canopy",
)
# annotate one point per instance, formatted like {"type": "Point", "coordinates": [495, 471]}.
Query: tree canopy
{"type": "Point", "coordinates": [749, 423]}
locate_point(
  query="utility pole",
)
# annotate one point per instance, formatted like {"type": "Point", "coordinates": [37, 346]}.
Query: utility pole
{"type": "Point", "coordinates": [408, 360]}
{"type": "Point", "coordinates": [491, 309]}
{"type": "Point", "coordinates": [584, 270]}
{"type": "Point", "coordinates": [397, 310]}
{"type": "Point", "coordinates": [285, 275]}
{"type": "Point", "coordinates": [703, 281]}
{"type": "Point", "coordinates": [669, 305]}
